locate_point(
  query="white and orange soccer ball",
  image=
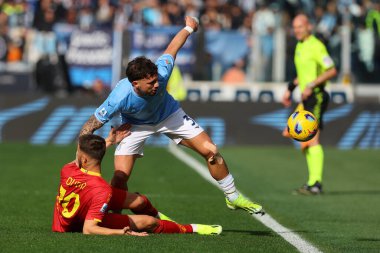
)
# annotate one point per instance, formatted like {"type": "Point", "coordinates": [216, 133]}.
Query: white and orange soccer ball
{"type": "Point", "coordinates": [302, 125]}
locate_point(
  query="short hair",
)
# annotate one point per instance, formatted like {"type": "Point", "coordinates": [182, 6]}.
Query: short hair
{"type": "Point", "coordinates": [140, 68]}
{"type": "Point", "coordinates": [93, 145]}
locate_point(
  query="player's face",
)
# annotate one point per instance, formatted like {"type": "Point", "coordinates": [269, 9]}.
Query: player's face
{"type": "Point", "coordinates": [147, 86]}
{"type": "Point", "coordinates": [301, 29]}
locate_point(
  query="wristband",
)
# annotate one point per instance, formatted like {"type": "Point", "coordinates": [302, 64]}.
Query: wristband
{"type": "Point", "coordinates": [189, 29]}
{"type": "Point", "coordinates": [291, 86]}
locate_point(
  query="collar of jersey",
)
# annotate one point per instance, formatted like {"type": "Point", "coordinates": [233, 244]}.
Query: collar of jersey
{"type": "Point", "coordinates": [90, 172]}
{"type": "Point", "coordinates": [308, 38]}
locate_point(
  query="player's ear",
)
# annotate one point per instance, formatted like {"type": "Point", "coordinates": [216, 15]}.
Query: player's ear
{"type": "Point", "coordinates": [134, 83]}
{"type": "Point", "coordinates": [310, 27]}
{"type": "Point", "coordinates": [84, 161]}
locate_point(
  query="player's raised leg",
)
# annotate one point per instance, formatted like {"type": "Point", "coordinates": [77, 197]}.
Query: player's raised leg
{"type": "Point", "coordinates": [203, 144]}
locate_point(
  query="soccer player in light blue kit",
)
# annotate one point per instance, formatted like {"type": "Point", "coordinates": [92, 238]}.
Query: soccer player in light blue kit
{"type": "Point", "coordinates": [143, 102]}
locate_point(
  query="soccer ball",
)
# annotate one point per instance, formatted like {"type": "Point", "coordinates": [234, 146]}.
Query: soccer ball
{"type": "Point", "coordinates": [302, 125]}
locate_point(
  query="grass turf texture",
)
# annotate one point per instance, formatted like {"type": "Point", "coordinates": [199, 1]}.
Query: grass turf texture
{"type": "Point", "coordinates": [344, 219]}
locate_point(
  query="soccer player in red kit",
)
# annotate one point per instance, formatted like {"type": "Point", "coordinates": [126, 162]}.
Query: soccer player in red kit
{"type": "Point", "coordinates": [84, 198]}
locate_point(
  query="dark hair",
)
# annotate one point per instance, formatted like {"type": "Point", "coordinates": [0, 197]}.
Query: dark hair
{"type": "Point", "coordinates": [93, 145]}
{"type": "Point", "coordinates": [140, 68]}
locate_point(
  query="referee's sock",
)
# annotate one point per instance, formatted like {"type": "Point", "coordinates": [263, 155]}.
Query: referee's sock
{"type": "Point", "coordinates": [314, 157]}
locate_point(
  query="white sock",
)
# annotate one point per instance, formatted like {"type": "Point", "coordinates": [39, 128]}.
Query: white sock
{"type": "Point", "coordinates": [227, 185]}
{"type": "Point", "coordinates": [194, 226]}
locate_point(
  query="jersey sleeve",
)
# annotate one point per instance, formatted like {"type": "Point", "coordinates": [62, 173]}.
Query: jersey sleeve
{"type": "Point", "coordinates": [323, 58]}
{"type": "Point", "coordinates": [110, 106]}
{"type": "Point", "coordinates": [165, 66]}
{"type": "Point", "coordinates": [99, 204]}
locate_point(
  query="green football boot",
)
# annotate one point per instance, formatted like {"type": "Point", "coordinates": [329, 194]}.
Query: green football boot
{"type": "Point", "coordinates": [162, 216]}
{"type": "Point", "coordinates": [243, 203]}
{"type": "Point", "coordinates": [208, 229]}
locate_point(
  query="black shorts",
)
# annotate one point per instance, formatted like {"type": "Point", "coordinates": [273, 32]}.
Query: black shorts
{"type": "Point", "coordinates": [317, 104]}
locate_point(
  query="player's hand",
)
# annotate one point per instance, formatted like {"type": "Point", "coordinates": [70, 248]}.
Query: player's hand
{"type": "Point", "coordinates": [285, 132]}
{"type": "Point", "coordinates": [117, 135]}
{"type": "Point", "coordinates": [128, 231]}
{"type": "Point", "coordinates": [122, 132]}
{"type": "Point", "coordinates": [192, 22]}
{"type": "Point", "coordinates": [286, 99]}
{"type": "Point", "coordinates": [306, 93]}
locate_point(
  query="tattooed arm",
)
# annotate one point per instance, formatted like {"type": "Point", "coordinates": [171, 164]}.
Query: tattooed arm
{"type": "Point", "coordinates": [90, 126]}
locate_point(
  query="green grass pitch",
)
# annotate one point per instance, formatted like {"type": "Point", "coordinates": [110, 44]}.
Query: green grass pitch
{"type": "Point", "coordinates": [345, 219]}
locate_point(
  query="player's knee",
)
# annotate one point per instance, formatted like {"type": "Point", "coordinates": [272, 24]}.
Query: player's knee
{"type": "Point", "coordinates": [149, 224]}
{"type": "Point", "coordinates": [119, 180]}
{"type": "Point", "coordinates": [213, 156]}
{"type": "Point", "coordinates": [304, 146]}
{"type": "Point", "coordinates": [307, 144]}
{"type": "Point", "coordinates": [209, 149]}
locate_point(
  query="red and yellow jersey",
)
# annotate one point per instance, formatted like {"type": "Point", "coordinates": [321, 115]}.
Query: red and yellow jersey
{"type": "Point", "coordinates": [82, 195]}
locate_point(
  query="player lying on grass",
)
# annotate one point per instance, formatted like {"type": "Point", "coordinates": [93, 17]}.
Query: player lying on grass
{"type": "Point", "coordinates": [84, 198]}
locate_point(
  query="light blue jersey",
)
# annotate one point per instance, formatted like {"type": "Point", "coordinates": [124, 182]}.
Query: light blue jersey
{"type": "Point", "coordinates": [141, 110]}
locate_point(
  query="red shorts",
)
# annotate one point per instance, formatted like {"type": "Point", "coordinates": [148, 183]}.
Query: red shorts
{"type": "Point", "coordinates": [118, 198]}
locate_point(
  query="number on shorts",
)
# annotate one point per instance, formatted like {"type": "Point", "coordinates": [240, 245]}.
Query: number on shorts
{"type": "Point", "coordinates": [187, 118]}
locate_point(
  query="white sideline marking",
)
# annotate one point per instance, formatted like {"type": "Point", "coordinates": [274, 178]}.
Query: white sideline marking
{"type": "Point", "coordinates": [291, 237]}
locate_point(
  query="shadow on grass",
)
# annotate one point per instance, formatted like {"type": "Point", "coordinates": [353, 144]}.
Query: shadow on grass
{"type": "Point", "coordinates": [355, 192]}
{"type": "Point", "coordinates": [258, 233]}
{"type": "Point", "coordinates": [268, 233]}
{"type": "Point", "coordinates": [304, 232]}
{"type": "Point", "coordinates": [368, 239]}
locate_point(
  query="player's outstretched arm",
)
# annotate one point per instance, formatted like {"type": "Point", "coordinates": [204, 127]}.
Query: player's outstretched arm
{"type": "Point", "coordinates": [181, 37]}
{"type": "Point", "coordinates": [90, 126]}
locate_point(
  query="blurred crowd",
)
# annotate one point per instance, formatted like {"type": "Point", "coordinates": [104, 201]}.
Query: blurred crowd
{"type": "Point", "coordinates": [24, 22]}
